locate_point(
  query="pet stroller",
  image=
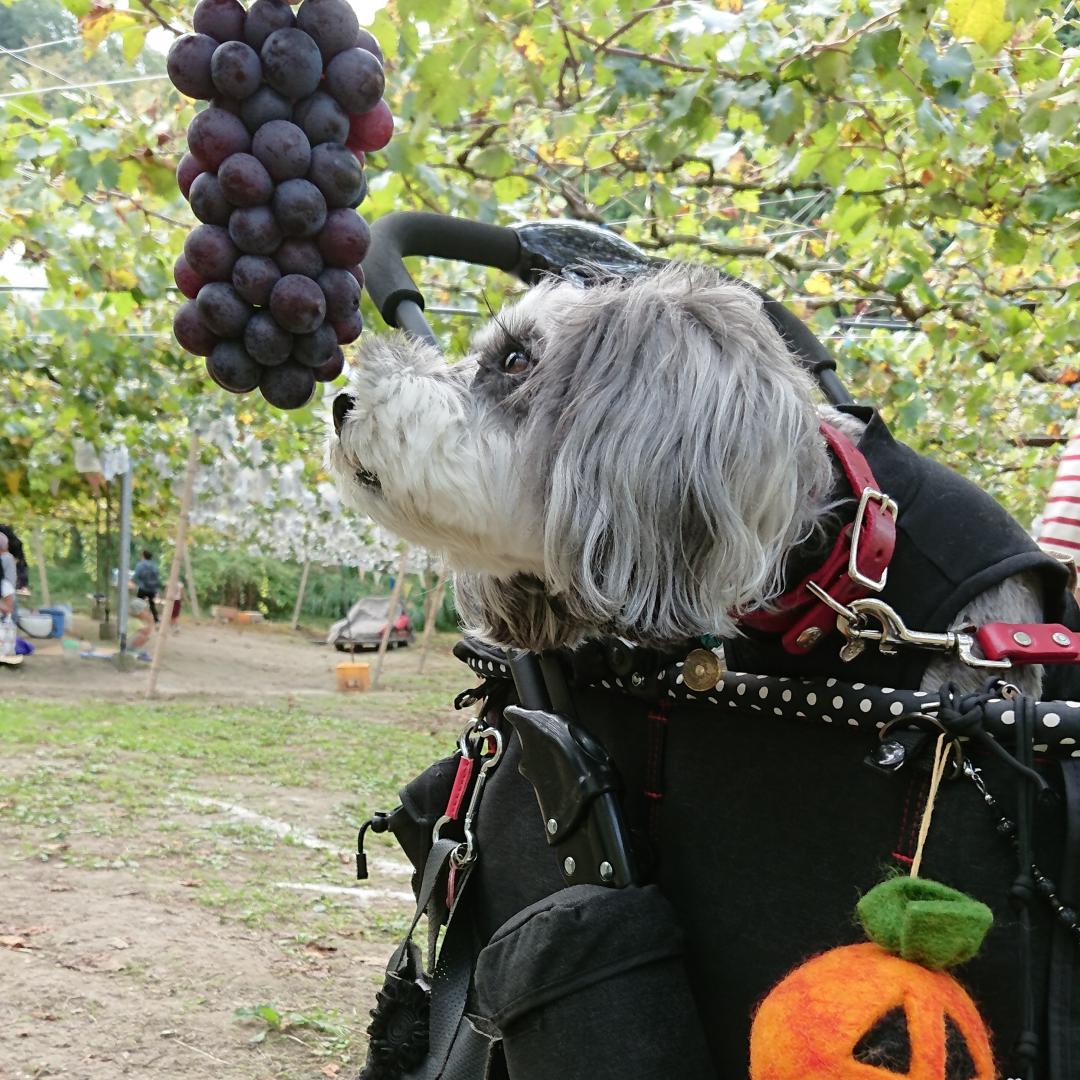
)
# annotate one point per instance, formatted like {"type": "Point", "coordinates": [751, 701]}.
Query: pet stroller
{"type": "Point", "coordinates": [702, 831]}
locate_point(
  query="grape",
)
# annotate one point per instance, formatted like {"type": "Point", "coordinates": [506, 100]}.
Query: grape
{"type": "Point", "coordinates": [223, 20]}
{"type": "Point", "coordinates": [299, 257]}
{"type": "Point", "coordinates": [348, 329]}
{"type": "Point", "coordinates": [283, 149]}
{"type": "Point", "coordinates": [228, 104]}
{"type": "Point", "coordinates": [322, 119]}
{"type": "Point", "coordinates": [187, 281]}
{"type": "Point", "coordinates": [366, 40]}
{"type": "Point", "coordinates": [188, 65]}
{"type": "Point", "coordinates": [254, 277]}
{"type": "Point", "coordinates": [315, 349]}
{"type": "Point", "coordinates": [344, 238]}
{"type": "Point", "coordinates": [210, 252]}
{"type": "Point", "coordinates": [254, 230]}
{"type": "Point", "coordinates": [337, 174]}
{"type": "Point", "coordinates": [265, 341]}
{"type": "Point", "coordinates": [235, 70]}
{"type": "Point", "coordinates": [371, 130]}
{"type": "Point", "coordinates": [223, 309]}
{"type": "Point", "coordinates": [190, 167]}
{"type": "Point", "coordinates": [262, 107]}
{"type": "Point", "coordinates": [298, 304]}
{"type": "Point", "coordinates": [232, 369]}
{"type": "Point", "coordinates": [263, 18]}
{"type": "Point", "coordinates": [214, 134]}
{"type": "Point", "coordinates": [288, 386]}
{"type": "Point", "coordinates": [357, 273]}
{"type": "Point", "coordinates": [332, 368]}
{"type": "Point", "coordinates": [244, 180]}
{"type": "Point", "coordinates": [341, 291]}
{"type": "Point", "coordinates": [331, 24]}
{"type": "Point", "coordinates": [208, 203]}
{"type": "Point", "coordinates": [192, 333]}
{"type": "Point", "coordinates": [291, 63]}
{"type": "Point", "coordinates": [355, 78]}
{"type": "Point", "coordinates": [299, 208]}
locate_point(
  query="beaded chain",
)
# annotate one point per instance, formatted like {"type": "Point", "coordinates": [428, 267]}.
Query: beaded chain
{"type": "Point", "coordinates": [1066, 915]}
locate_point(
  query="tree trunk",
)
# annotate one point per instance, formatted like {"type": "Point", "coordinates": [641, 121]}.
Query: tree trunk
{"type": "Point", "coordinates": [434, 606]}
{"type": "Point", "coordinates": [189, 573]}
{"type": "Point", "coordinates": [37, 538]}
{"type": "Point", "coordinates": [394, 596]}
{"type": "Point", "coordinates": [174, 569]}
{"type": "Point", "coordinates": [300, 594]}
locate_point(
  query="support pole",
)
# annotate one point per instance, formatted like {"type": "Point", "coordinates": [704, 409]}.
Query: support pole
{"type": "Point", "coordinates": [300, 594]}
{"type": "Point", "coordinates": [174, 569]}
{"type": "Point", "coordinates": [391, 611]}
{"type": "Point", "coordinates": [125, 558]}
{"type": "Point", "coordinates": [37, 538]}
{"type": "Point", "coordinates": [434, 607]}
{"type": "Point", "coordinates": [189, 573]}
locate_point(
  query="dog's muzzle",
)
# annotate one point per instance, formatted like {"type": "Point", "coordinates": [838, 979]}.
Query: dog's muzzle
{"type": "Point", "coordinates": [342, 406]}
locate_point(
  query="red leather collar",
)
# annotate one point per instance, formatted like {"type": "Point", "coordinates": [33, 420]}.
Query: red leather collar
{"type": "Point", "coordinates": [857, 565]}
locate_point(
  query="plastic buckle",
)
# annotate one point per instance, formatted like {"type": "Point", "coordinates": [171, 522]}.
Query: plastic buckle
{"type": "Point", "coordinates": [890, 508]}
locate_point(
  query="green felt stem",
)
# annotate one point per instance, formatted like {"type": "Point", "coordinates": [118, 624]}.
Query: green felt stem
{"type": "Point", "coordinates": [924, 921]}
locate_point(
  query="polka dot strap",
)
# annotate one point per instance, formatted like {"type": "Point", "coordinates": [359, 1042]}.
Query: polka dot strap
{"type": "Point", "coordinates": [824, 701]}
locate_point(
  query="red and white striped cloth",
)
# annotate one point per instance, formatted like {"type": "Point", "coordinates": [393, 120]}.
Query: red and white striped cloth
{"type": "Point", "coordinates": [1059, 526]}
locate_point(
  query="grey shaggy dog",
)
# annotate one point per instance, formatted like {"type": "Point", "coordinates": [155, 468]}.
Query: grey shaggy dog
{"type": "Point", "coordinates": [636, 458]}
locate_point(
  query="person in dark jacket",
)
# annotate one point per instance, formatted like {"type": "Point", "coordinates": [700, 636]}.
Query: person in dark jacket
{"type": "Point", "coordinates": [148, 581]}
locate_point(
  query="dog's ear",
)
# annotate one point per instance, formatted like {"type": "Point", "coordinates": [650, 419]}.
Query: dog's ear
{"type": "Point", "coordinates": [681, 456]}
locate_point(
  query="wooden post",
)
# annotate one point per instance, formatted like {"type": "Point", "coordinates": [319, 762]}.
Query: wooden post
{"type": "Point", "coordinates": [300, 594]}
{"type": "Point", "coordinates": [189, 573]}
{"type": "Point", "coordinates": [37, 538]}
{"type": "Point", "coordinates": [391, 611]}
{"type": "Point", "coordinates": [434, 606]}
{"type": "Point", "coordinates": [174, 569]}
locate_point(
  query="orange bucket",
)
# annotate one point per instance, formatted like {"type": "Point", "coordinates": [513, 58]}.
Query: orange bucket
{"type": "Point", "coordinates": [353, 676]}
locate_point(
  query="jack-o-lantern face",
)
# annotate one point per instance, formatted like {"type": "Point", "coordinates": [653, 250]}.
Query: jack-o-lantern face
{"type": "Point", "coordinates": [860, 1013]}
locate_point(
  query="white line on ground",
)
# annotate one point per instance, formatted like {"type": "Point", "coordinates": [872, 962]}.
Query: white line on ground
{"type": "Point", "coordinates": [361, 895]}
{"type": "Point", "coordinates": [297, 835]}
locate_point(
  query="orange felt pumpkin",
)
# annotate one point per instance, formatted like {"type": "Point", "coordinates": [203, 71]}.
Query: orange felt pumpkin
{"type": "Point", "coordinates": [860, 1012]}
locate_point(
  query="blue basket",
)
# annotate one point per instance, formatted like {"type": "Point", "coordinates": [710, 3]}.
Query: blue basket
{"type": "Point", "coordinates": [59, 617]}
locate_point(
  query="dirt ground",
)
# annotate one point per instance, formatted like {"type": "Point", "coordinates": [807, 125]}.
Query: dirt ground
{"type": "Point", "coordinates": [177, 893]}
{"type": "Point", "coordinates": [221, 661]}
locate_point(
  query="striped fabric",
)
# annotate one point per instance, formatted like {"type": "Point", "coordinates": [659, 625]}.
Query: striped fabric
{"type": "Point", "coordinates": [1059, 527]}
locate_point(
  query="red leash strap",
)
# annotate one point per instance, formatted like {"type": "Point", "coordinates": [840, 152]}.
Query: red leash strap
{"type": "Point", "coordinates": [1029, 643]}
{"type": "Point", "coordinates": [857, 565]}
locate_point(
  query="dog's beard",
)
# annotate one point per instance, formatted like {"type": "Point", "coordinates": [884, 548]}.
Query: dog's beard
{"type": "Point", "coordinates": [646, 479]}
{"type": "Point", "coordinates": [421, 456]}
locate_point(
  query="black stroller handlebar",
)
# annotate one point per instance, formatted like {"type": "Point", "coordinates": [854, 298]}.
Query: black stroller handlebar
{"type": "Point", "coordinates": [528, 251]}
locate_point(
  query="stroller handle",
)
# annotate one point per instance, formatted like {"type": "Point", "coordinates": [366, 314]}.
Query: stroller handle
{"type": "Point", "coordinates": [528, 251]}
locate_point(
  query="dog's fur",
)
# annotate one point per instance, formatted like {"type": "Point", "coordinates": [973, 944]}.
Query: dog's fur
{"type": "Point", "coordinates": [636, 458]}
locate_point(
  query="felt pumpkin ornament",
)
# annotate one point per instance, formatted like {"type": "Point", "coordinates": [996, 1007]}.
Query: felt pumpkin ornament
{"type": "Point", "coordinates": [885, 1008]}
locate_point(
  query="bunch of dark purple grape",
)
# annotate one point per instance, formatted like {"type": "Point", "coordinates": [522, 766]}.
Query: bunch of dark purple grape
{"type": "Point", "coordinates": [274, 172]}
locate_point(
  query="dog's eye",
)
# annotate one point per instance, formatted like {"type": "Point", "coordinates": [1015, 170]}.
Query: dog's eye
{"type": "Point", "coordinates": [515, 363]}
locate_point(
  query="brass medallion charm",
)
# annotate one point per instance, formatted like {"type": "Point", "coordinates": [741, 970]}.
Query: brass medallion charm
{"type": "Point", "coordinates": [701, 670]}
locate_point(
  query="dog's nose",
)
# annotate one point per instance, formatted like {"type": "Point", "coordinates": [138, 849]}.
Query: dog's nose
{"type": "Point", "coordinates": [342, 404]}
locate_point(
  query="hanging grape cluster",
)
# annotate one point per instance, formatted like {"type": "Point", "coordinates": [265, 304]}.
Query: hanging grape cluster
{"type": "Point", "coordinates": [274, 171]}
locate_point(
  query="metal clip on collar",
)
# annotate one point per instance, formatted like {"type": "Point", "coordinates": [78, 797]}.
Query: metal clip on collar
{"type": "Point", "coordinates": [853, 622]}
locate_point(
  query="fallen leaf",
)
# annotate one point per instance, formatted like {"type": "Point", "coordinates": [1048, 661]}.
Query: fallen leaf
{"type": "Point", "coordinates": [11, 941]}
{"type": "Point", "coordinates": [331, 1069]}
{"type": "Point", "coordinates": [191, 883]}
{"type": "Point", "coordinates": [45, 1016]}
{"type": "Point", "coordinates": [117, 943]}
{"type": "Point", "coordinates": [320, 950]}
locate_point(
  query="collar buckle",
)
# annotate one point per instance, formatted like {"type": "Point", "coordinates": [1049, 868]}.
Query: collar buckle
{"type": "Point", "coordinates": [889, 509]}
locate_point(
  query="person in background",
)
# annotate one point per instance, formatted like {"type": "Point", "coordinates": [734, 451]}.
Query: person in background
{"type": "Point", "coordinates": [9, 571]}
{"type": "Point", "coordinates": [147, 581]}
{"type": "Point", "coordinates": [7, 601]}
{"type": "Point", "coordinates": [15, 547]}
{"type": "Point", "coordinates": [174, 619]}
